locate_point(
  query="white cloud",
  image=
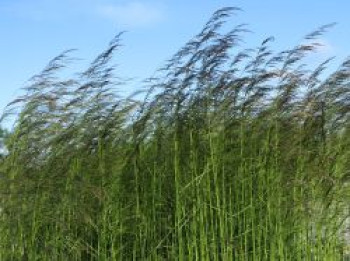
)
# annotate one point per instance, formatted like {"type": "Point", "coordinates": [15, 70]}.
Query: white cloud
{"type": "Point", "coordinates": [132, 14]}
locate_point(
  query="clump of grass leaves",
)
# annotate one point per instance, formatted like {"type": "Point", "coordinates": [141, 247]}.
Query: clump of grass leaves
{"type": "Point", "coordinates": [231, 154]}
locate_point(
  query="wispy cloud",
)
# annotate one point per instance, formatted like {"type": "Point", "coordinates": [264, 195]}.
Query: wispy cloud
{"type": "Point", "coordinates": [325, 47]}
{"type": "Point", "coordinates": [132, 14]}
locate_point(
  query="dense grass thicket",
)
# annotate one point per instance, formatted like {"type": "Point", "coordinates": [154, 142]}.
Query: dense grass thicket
{"type": "Point", "coordinates": [229, 154]}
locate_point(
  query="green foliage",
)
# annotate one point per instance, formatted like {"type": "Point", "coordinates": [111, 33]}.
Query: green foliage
{"type": "Point", "coordinates": [2, 133]}
{"type": "Point", "coordinates": [234, 154]}
{"type": "Point", "coordinates": [4, 137]}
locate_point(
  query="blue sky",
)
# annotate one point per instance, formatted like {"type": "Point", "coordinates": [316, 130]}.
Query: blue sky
{"type": "Point", "coordinates": [34, 31]}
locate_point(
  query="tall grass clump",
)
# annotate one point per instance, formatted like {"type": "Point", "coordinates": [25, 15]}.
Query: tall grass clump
{"type": "Point", "coordinates": [231, 154]}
